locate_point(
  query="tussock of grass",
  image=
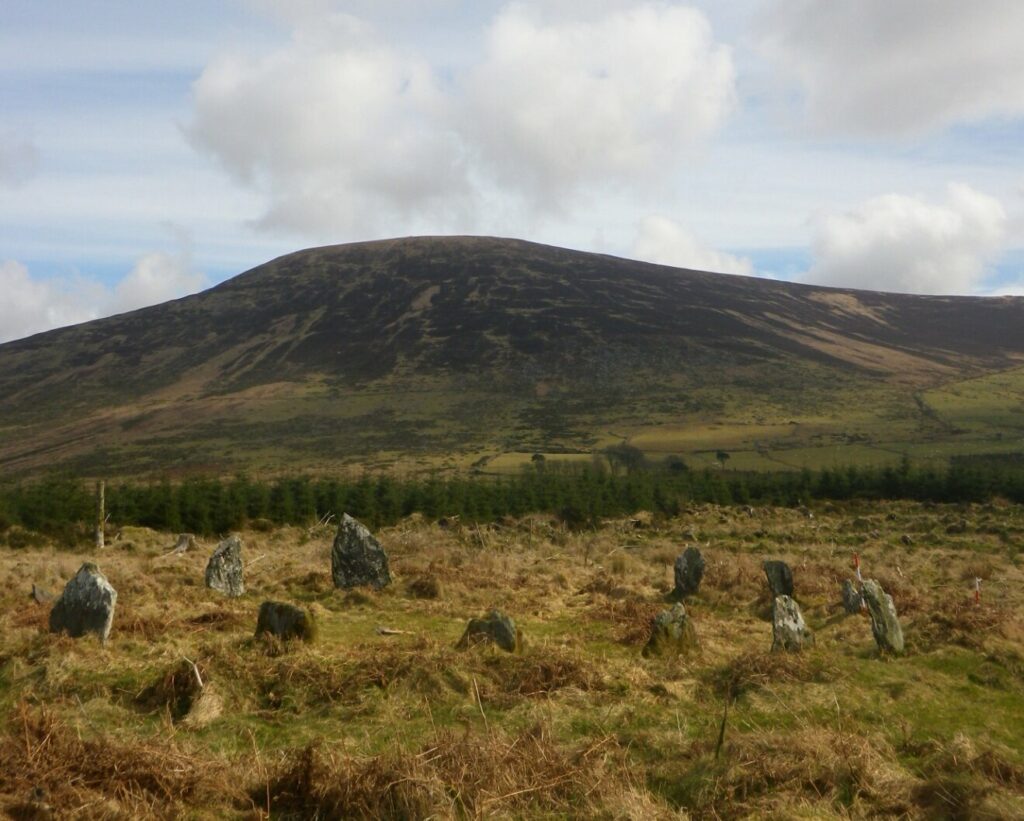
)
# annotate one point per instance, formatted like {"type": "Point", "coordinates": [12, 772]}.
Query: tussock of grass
{"type": "Point", "coordinates": [755, 670]}
{"type": "Point", "coordinates": [104, 777]}
{"type": "Point", "coordinates": [453, 776]}
{"type": "Point", "coordinates": [763, 774]}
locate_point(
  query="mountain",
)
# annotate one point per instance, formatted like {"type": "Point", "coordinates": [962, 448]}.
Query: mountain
{"type": "Point", "coordinates": [426, 353]}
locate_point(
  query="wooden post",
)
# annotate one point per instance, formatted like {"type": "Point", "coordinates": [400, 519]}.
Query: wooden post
{"type": "Point", "coordinates": [100, 513]}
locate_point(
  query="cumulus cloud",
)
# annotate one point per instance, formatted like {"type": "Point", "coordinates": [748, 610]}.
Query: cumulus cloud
{"type": "Point", "coordinates": [340, 131]}
{"type": "Point", "coordinates": [908, 244]}
{"type": "Point", "coordinates": [32, 305]}
{"type": "Point", "coordinates": [877, 66]}
{"type": "Point", "coordinates": [19, 160]}
{"type": "Point", "coordinates": [562, 101]}
{"type": "Point", "coordinates": [665, 242]}
{"type": "Point", "coordinates": [345, 133]}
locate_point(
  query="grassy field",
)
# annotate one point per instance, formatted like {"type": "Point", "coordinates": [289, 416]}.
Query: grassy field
{"type": "Point", "coordinates": [402, 725]}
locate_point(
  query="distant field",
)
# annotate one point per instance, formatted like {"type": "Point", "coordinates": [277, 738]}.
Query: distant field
{"type": "Point", "coordinates": [362, 724]}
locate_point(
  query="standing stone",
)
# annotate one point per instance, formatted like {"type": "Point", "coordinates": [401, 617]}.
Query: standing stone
{"type": "Point", "coordinates": [689, 570]}
{"type": "Point", "coordinates": [788, 629]}
{"type": "Point", "coordinates": [357, 559]}
{"type": "Point", "coordinates": [852, 600]}
{"type": "Point", "coordinates": [780, 579]}
{"type": "Point", "coordinates": [495, 628]}
{"type": "Point", "coordinates": [672, 634]}
{"type": "Point", "coordinates": [85, 606]}
{"type": "Point", "coordinates": [285, 621]}
{"type": "Point", "coordinates": [884, 623]}
{"type": "Point", "coordinates": [185, 543]}
{"type": "Point", "coordinates": [40, 596]}
{"type": "Point", "coordinates": [224, 570]}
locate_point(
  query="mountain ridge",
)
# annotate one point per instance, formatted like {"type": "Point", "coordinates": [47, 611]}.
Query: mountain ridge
{"type": "Point", "coordinates": [564, 338]}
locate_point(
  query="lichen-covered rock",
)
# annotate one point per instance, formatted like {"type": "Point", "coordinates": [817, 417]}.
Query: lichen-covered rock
{"type": "Point", "coordinates": [852, 601]}
{"type": "Point", "coordinates": [885, 625]}
{"type": "Point", "coordinates": [85, 606]}
{"type": "Point", "coordinates": [224, 570]}
{"type": "Point", "coordinates": [780, 578]}
{"type": "Point", "coordinates": [494, 628]}
{"type": "Point", "coordinates": [689, 570]}
{"type": "Point", "coordinates": [285, 621]}
{"type": "Point", "coordinates": [672, 634]}
{"type": "Point", "coordinates": [357, 559]}
{"type": "Point", "coordinates": [789, 632]}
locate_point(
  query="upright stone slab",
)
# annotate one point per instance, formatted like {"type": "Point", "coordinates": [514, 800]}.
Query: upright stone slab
{"type": "Point", "coordinates": [689, 570]}
{"type": "Point", "coordinates": [672, 634]}
{"type": "Point", "coordinates": [285, 621]}
{"type": "Point", "coordinates": [494, 628]}
{"type": "Point", "coordinates": [357, 559]}
{"type": "Point", "coordinates": [885, 626]}
{"type": "Point", "coordinates": [852, 601]}
{"type": "Point", "coordinates": [788, 629]}
{"type": "Point", "coordinates": [780, 578]}
{"type": "Point", "coordinates": [224, 570]}
{"type": "Point", "coordinates": [85, 606]}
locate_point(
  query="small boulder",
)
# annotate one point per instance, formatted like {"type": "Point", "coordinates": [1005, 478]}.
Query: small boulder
{"type": "Point", "coordinates": [885, 625]}
{"type": "Point", "coordinates": [780, 578]}
{"type": "Point", "coordinates": [788, 629]}
{"type": "Point", "coordinates": [40, 596]}
{"type": "Point", "coordinates": [224, 570]}
{"type": "Point", "coordinates": [357, 559]}
{"type": "Point", "coordinates": [672, 634]}
{"type": "Point", "coordinates": [85, 606]}
{"type": "Point", "coordinates": [852, 600]}
{"type": "Point", "coordinates": [689, 570]}
{"type": "Point", "coordinates": [494, 628]}
{"type": "Point", "coordinates": [285, 621]}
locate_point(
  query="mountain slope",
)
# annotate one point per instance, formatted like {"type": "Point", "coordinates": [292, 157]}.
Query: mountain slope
{"type": "Point", "coordinates": [449, 351]}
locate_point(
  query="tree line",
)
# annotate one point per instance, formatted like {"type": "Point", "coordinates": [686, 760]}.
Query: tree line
{"type": "Point", "coordinates": [580, 495]}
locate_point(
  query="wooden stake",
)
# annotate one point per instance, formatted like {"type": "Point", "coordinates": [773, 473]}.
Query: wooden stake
{"type": "Point", "coordinates": [100, 513]}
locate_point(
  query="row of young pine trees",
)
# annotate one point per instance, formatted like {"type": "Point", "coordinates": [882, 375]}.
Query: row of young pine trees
{"type": "Point", "coordinates": [580, 495]}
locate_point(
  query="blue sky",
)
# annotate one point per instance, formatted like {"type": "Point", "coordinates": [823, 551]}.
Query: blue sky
{"type": "Point", "coordinates": [149, 150]}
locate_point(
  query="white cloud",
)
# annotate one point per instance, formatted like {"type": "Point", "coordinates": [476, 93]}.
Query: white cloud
{"type": "Point", "coordinates": [157, 277]}
{"type": "Point", "coordinates": [349, 136]}
{"type": "Point", "coordinates": [908, 244]}
{"type": "Point", "coordinates": [32, 305]}
{"type": "Point", "coordinates": [19, 160]}
{"type": "Point", "coordinates": [618, 96]}
{"type": "Point", "coordinates": [665, 242]}
{"type": "Point", "coordinates": [341, 132]}
{"type": "Point", "coordinates": [878, 66]}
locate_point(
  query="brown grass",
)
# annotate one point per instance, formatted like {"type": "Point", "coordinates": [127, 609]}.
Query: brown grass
{"type": "Point", "coordinates": [104, 777]}
{"type": "Point", "coordinates": [454, 776]}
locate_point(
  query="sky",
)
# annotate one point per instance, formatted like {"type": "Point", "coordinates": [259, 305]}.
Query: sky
{"type": "Point", "coordinates": [150, 150]}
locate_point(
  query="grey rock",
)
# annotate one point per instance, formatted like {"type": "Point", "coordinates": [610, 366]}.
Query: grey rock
{"type": "Point", "coordinates": [357, 559]}
{"type": "Point", "coordinates": [86, 605]}
{"type": "Point", "coordinates": [285, 621]}
{"type": "Point", "coordinates": [885, 625]}
{"type": "Point", "coordinates": [780, 578]}
{"type": "Point", "coordinates": [852, 601]}
{"type": "Point", "coordinates": [672, 634]}
{"type": "Point", "coordinates": [224, 570]}
{"type": "Point", "coordinates": [689, 570]}
{"type": "Point", "coordinates": [494, 628]}
{"type": "Point", "coordinates": [40, 596]}
{"type": "Point", "coordinates": [185, 543]}
{"type": "Point", "coordinates": [789, 632]}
